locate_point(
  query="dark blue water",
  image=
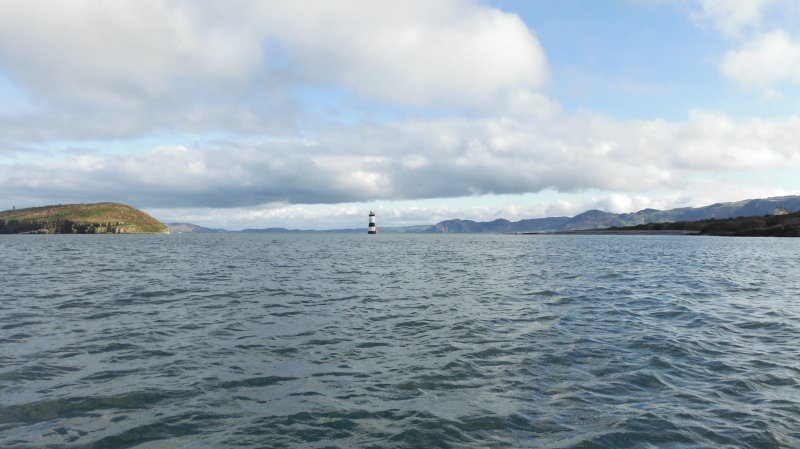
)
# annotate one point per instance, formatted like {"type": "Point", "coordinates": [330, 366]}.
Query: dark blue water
{"type": "Point", "coordinates": [404, 341]}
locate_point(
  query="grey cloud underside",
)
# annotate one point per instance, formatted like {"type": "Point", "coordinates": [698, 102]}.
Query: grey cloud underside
{"type": "Point", "coordinates": [253, 112]}
{"type": "Point", "coordinates": [416, 160]}
{"type": "Point", "coordinates": [260, 76]}
{"type": "Point", "coordinates": [352, 170]}
{"type": "Point", "coordinates": [231, 184]}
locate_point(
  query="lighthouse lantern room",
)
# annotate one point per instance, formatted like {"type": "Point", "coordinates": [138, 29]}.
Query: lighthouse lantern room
{"type": "Point", "coordinates": [372, 228]}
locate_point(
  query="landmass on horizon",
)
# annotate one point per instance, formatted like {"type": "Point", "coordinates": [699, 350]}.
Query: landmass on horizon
{"type": "Point", "coordinates": [116, 218]}
{"type": "Point", "coordinates": [592, 219]}
{"type": "Point", "coordinates": [98, 218]}
{"type": "Point", "coordinates": [777, 225]}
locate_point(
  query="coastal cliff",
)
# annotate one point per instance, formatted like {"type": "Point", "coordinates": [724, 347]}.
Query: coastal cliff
{"type": "Point", "coordinates": [99, 218]}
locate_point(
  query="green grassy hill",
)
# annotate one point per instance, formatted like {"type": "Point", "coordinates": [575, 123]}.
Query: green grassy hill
{"type": "Point", "coordinates": [100, 218]}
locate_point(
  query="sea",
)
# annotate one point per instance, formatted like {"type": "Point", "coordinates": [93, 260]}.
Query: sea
{"type": "Point", "coordinates": [399, 341]}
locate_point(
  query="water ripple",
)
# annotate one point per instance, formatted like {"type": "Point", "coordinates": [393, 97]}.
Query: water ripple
{"type": "Point", "coordinates": [404, 341]}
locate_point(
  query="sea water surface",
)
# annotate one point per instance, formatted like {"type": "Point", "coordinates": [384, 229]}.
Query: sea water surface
{"type": "Point", "coordinates": [399, 341]}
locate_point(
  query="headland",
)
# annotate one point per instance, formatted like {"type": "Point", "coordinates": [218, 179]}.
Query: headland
{"type": "Point", "coordinates": [98, 218]}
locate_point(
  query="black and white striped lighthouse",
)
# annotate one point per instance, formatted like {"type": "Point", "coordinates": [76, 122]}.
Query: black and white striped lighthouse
{"type": "Point", "coordinates": [372, 228]}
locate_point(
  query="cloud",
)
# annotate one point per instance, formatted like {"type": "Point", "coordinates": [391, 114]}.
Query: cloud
{"type": "Point", "coordinates": [732, 16]}
{"type": "Point", "coordinates": [415, 52]}
{"type": "Point", "coordinates": [352, 216]}
{"type": "Point", "coordinates": [764, 59]}
{"type": "Point", "coordinates": [767, 60]}
{"type": "Point", "coordinates": [338, 217]}
{"type": "Point", "coordinates": [416, 159]}
{"type": "Point", "coordinates": [115, 69]}
{"type": "Point", "coordinates": [465, 80]}
{"type": "Point", "coordinates": [121, 52]}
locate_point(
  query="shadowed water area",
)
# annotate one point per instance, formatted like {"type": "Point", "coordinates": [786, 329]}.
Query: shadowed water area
{"type": "Point", "coordinates": [406, 341]}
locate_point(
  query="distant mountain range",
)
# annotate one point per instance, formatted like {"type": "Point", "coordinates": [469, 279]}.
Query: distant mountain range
{"type": "Point", "coordinates": [592, 219]}
{"type": "Point", "coordinates": [597, 219]}
{"type": "Point", "coordinates": [188, 228]}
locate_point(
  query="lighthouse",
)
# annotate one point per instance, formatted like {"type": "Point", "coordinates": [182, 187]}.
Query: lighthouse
{"type": "Point", "coordinates": [372, 228]}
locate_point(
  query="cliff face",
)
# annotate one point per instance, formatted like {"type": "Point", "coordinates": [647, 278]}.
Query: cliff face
{"type": "Point", "coordinates": [100, 218]}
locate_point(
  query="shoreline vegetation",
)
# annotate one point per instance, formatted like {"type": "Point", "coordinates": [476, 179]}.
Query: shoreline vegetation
{"type": "Point", "coordinates": [786, 225]}
{"type": "Point", "coordinates": [98, 218]}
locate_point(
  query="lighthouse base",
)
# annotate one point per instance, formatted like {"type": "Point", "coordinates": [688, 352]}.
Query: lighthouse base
{"type": "Point", "coordinates": [372, 232]}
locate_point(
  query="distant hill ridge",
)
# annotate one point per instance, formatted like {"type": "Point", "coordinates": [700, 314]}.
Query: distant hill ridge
{"type": "Point", "coordinates": [592, 219]}
{"type": "Point", "coordinates": [597, 219]}
{"type": "Point", "coordinates": [98, 218]}
{"type": "Point", "coordinates": [188, 228]}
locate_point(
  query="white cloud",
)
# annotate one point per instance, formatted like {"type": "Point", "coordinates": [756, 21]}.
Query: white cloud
{"type": "Point", "coordinates": [423, 159]}
{"type": "Point", "coordinates": [352, 216]}
{"type": "Point", "coordinates": [732, 16]}
{"type": "Point", "coordinates": [764, 58]}
{"type": "Point", "coordinates": [192, 58]}
{"type": "Point", "coordinates": [127, 51]}
{"type": "Point", "coordinates": [87, 70]}
{"type": "Point", "coordinates": [411, 52]}
{"type": "Point", "coordinates": [768, 59]}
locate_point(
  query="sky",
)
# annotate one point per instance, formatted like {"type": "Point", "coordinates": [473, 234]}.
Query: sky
{"type": "Point", "coordinates": [307, 114]}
